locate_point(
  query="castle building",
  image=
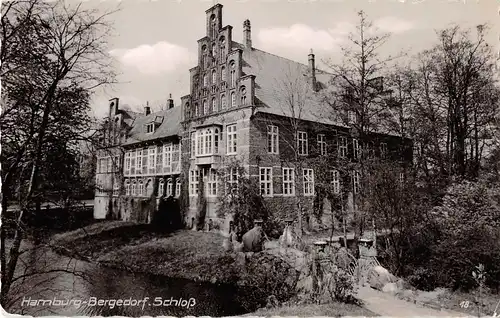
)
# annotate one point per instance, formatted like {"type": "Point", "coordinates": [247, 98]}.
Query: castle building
{"type": "Point", "coordinates": [248, 110]}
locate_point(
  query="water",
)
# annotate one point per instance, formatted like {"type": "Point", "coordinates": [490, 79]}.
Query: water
{"type": "Point", "coordinates": [57, 285]}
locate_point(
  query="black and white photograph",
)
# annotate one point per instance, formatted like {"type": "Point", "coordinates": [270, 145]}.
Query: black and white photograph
{"type": "Point", "coordinates": [256, 158]}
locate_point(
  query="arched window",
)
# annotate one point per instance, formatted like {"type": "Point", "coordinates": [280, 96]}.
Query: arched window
{"type": "Point", "coordinates": [233, 99]}
{"type": "Point", "coordinates": [141, 188]}
{"type": "Point", "coordinates": [223, 101]}
{"type": "Point", "coordinates": [177, 188]}
{"type": "Point", "coordinates": [134, 188]}
{"type": "Point", "coordinates": [161, 187]}
{"type": "Point", "coordinates": [243, 95]}
{"type": "Point", "coordinates": [205, 107]}
{"type": "Point", "coordinates": [214, 77]}
{"type": "Point", "coordinates": [127, 187]}
{"type": "Point", "coordinates": [196, 110]}
{"type": "Point", "coordinates": [216, 141]}
{"type": "Point", "coordinates": [205, 79]}
{"type": "Point", "coordinates": [214, 104]}
{"type": "Point", "coordinates": [223, 73]}
{"type": "Point", "coordinates": [169, 188]}
{"type": "Point", "coordinates": [222, 41]}
{"type": "Point", "coordinates": [233, 73]}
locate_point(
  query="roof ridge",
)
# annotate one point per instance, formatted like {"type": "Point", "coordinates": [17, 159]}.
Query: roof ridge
{"type": "Point", "coordinates": [284, 58]}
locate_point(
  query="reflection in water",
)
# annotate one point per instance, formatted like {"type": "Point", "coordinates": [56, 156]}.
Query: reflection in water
{"type": "Point", "coordinates": [78, 289]}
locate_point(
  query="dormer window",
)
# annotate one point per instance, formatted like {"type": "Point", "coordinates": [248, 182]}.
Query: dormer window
{"type": "Point", "coordinates": [150, 128]}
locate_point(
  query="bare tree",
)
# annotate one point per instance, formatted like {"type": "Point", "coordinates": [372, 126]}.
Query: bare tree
{"type": "Point", "coordinates": [356, 97]}
{"type": "Point", "coordinates": [49, 49]}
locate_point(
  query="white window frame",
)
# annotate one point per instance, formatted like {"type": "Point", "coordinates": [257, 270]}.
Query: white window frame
{"type": "Point", "coordinates": [177, 188]}
{"type": "Point", "coordinates": [302, 145]}
{"type": "Point", "coordinates": [383, 149]}
{"type": "Point", "coordinates": [355, 148]}
{"type": "Point", "coordinates": [266, 181]}
{"type": "Point", "coordinates": [272, 139]}
{"type": "Point", "coordinates": [356, 183]}
{"type": "Point", "coordinates": [194, 179]}
{"type": "Point", "coordinates": [232, 179]}
{"type": "Point", "coordinates": [335, 181]}
{"type": "Point", "coordinates": [342, 147]}
{"type": "Point", "coordinates": [138, 162]}
{"type": "Point", "coordinates": [167, 155]}
{"type": "Point", "coordinates": [140, 187]}
{"type": "Point", "coordinates": [308, 182]}
{"type": "Point", "coordinates": [169, 187]}
{"type": "Point", "coordinates": [322, 144]}
{"type": "Point", "coordinates": [127, 188]}
{"type": "Point", "coordinates": [212, 182]}
{"type": "Point", "coordinates": [152, 159]}
{"type": "Point", "coordinates": [133, 190]}
{"type": "Point", "coordinates": [126, 170]}
{"type": "Point", "coordinates": [232, 142]}
{"type": "Point", "coordinates": [161, 187]}
{"type": "Point", "coordinates": [150, 128]}
{"type": "Point", "coordinates": [288, 181]}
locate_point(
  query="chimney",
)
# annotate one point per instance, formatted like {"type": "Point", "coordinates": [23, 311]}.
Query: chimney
{"type": "Point", "coordinates": [312, 69]}
{"type": "Point", "coordinates": [170, 102]}
{"type": "Point", "coordinates": [247, 34]}
{"type": "Point", "coordinates": [147, 109]}
{"type": "Point", "coordinates": [113, 106]}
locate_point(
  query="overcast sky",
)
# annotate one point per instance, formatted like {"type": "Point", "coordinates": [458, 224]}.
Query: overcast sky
{"type": "Point", "coordinates": [155, 41]}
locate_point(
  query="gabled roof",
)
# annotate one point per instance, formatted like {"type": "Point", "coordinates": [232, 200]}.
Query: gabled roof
{"type": "Point", "coordinates": [168, 124]}
{"type": "Point", "coordinates": [275, 75]}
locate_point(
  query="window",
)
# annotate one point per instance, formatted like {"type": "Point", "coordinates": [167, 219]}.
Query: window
{"type": "Point", "coordinates": [150, 128]}
{"type": "Point", "coordinates": [356, 182]}
{"type": "Point", "coordinates": [355, 148]}
{"type": "Point", "coordinates": [401, 177]}
{"type": "Point", "coordinates": [159, 159]}
{"type": "Point", "coordinates": [167, 155]}
{"type": "Point", "coordinates": [193, 144]}
{"type": "Point", "coordinates": [383, 150]}
{"type": "Point", "coordinates": [196, 109]}
{"type": "Point", "coordinates": [302, 143]}
{"type": "Point", "coordinates": [134, 188]}
{"type": "Point", "coordinates": [152, 160]}
{"type": "Point", "coordinates": [188, 111]}
{"type": "Point", "coordinates": [223, 101]}
{"type": "Point", "coordinates": [110, 164]}
{"type": "Point", "coordinates": [161, 187]}
{"type": "Point", "coordinates": [138, 166]}
{"type": "Point", "coordinates": [369, 149]}
{"type": "Point", "coordinates": [169, 188]}
{"type": "Point", "coordinates": [214, 105]}
{"type": "Point", "coordinates": [232, 179]}
{"type": "Point", "coordinates": [336, 181]}
{"type": "Point", "coordinates": [212, 183]}
{"type": "Point", "coordinates": [233, 74]}
{"type": "Point", "coordinates": [214, 74]}
{"type": "Point", "coordinates": [205, 107]}
{"type": "Point", "coordinates": [177, 188]}
{"type": "Point", "coordinates": [351, 117]}
{"type": "Point", "coordinates": [133, 155]}
{"type": "Point", "coordinates": [308, 182]}
{"type": "Point", "coordinates": [288, 181]}
{"type": "Point", "coordinates": [243, 95]}
{"type": "Point", "coordinates": [127, 187]}
{"type": "Point", "coordinates": [272, 139]}
{"type": "Point", "coordinates": [266, 181]}
{"type": "Point", "coordinates": [205, 79]}
{"type": "Point", "coordinates": [223, 73]}
{"type": "Point", "coordinates": [193, 182]}
{"type": "Point", "coordinates": [216, 140]}
{"type": "Point", "coordinates": [342, 147]}
{"type": "Point", "coordinates": [127, 163]}
{"type": "Point", "coordinates": [233, 99]}
{"type": "Point", "coordinates": [322, 144]}
{"type": "Point", "coordinates": [140, 189]}
{"type": "Point", "coordinates": [204, 142]}
{"type": "Point", "coordinates": [231, 139]}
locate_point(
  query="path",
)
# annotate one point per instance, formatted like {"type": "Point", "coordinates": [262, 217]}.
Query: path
{"type": "Point", "coordinates": [388, 305]}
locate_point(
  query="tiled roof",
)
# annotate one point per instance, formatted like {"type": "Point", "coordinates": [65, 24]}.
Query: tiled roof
{"type": "Point", "coordinates": [275, 76]}
{"type": "Point", "coordinates": [169, 126]}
